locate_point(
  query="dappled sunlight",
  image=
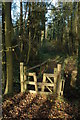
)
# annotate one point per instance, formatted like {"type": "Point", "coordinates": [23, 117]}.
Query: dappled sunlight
{"type": "Point", "coordinates": [40, 60]}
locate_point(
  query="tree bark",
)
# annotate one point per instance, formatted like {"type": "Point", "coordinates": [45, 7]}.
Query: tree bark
{"type": "Point", "coordinates": [78, 75]}
{"type": "Point", "coordinates": [21, 31]}
{"type": "Point", "coordinates": [3, 50]}
{"type": "Point", "coordinates": [9, 67]}
{"type": "Point", "coordinates": [29, 36]}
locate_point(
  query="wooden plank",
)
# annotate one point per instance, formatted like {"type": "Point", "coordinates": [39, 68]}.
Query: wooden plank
{"type": "Point", "coordinates": [32, 91]}
{"type": "Point", "coordinates": [49, 89]}
{"type": "Point", "coordinates": [62, 86]}
{"type": "Point", "coordinates": [55, 70]}
{"type": "Point", "coordinates": [45, 84]}
{"type": "Point", "coordinates": [21, 77]}
{"type": "Point", "coordinates": [44, 80]}
{"type": "Point", "coordinates": [63, 82]}
{"type": "Point", "coordinates": [39, 92]}
{"type": "Point", "coordinates": [49, 79]}
{"type": "Point", "coordinates": [45, 93]}
{"type": "Point", "coordinates": [31, 74]}
{"type": "Point", "coordinates": [40, 84]}
{"type": "Point", "coordinates": [25, 78]}
{"type": "Point", "coordinates": [61, 93]}
{"type": "Point", "coordinates": [35, 80]}
{"type": "Point", "coordinates": [59, 67]}
{"type": "Point", "coordinates": [30, 82]}
{"type": "Point", "coordinates": [55, 80]}
{"type": "Point", "coordinates": [58, 83]}
{"type": "Point", "coordinates": [49, 75]}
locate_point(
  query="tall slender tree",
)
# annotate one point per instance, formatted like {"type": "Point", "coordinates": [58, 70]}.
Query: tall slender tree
{"type": "Point", "coordinates": [78, 75]}
{"type": "Point", "coordinates": [9, 67]}
{"type": "Point", "coordinates": [3, 49]}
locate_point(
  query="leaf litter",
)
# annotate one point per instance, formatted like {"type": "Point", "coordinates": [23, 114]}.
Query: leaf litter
{"type": "Point", "coordinates": [31, 106]}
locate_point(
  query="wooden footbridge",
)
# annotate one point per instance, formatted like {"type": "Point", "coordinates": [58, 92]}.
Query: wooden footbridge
{"type": "Point", "coordinates": [51, 82]}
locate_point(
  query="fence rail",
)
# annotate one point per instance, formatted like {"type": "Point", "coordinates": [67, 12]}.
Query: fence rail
{"type": "Point", "coordinates": [51, 82]}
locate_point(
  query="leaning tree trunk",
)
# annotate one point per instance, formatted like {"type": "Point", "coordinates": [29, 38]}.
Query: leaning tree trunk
{"type": "Point", "coordinates": [9, 68]}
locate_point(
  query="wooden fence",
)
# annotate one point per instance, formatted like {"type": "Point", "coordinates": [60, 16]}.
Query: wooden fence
{"type": "Point", "coordinates": [52, 82]}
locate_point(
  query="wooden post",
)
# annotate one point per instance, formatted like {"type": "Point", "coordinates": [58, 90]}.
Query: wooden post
{"type": "Point", "coordinates": [58, 84]}
{"type": "Point", "coordinates": [59, 67]}
{"type": "Point", "coordinates": [55, 70]}
{"type": "Point", "coordinates": [55, 80]}
{"type": "Point", "coordinates": [35, 80]}
{"type": "Point", "coordinates": [54, 88]}
{"type": "Point", "coordinates": [44, 80]}
{"type": "Point", "coordinates": [25, 79]}
{"type": "Point", "coordinates": [21, 77]}
{"type": "Point", "coordinates": [62, 87]}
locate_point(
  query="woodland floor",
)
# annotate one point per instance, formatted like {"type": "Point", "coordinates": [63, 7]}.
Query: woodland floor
{"type": "Point", "coordinates": [29, 106]}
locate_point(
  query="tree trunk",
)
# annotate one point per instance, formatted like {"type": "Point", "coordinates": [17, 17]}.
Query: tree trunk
{"type": "Point", "coordinates": [29, 36]}
{"type": "Point", "coordinates": [78, 75]}
{"type": "Point", "coordinates": [72, 41]}
{"type": "Point", "coordinates": [21, 32]}
{"type": "Point", "coordinates": [3, 50]}
{"type": "Point", "coordinates": [0, 59]}
{"type": "Point", "coordinates": [9, 67]}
